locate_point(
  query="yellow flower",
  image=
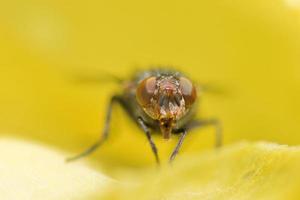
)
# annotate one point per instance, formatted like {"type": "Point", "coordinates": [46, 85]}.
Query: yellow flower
{"type": "Point", "coordinates": [247, 50]}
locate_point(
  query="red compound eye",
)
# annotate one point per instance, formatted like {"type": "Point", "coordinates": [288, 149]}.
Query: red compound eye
{"type": "Point", "coordinates": [188, 91]}
{"type": "Point", "coordinates": [145, 91]}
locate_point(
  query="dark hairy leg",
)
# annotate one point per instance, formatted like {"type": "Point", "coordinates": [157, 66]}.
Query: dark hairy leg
{"type": "Point", "coordinates": [146, 130]}
{"type": "Point", "coordinates": [196, 124]}
{"type": "Point", "coordinates": [176, 149]}
{"type": "Point", "coordinates": [105, 133]}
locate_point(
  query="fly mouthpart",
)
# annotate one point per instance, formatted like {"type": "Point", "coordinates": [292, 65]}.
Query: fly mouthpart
{"type": "Point", "coordinates": [166, 126]}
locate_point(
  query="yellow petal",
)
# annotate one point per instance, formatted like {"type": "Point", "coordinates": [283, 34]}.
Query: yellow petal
{"type": "Point", "coordinates": [242, 171]}
{"type": "Point", "coordinates": [30, 171]}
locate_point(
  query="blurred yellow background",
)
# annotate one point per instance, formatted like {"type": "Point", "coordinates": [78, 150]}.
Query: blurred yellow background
{"type": "Point", "coordinates": [250, 50]}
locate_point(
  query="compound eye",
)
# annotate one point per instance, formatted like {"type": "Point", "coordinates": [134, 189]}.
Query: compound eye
{"type": "Point", "coordinates": [145, 91]}
{"type": "Point", "coordinates": [188, 91]}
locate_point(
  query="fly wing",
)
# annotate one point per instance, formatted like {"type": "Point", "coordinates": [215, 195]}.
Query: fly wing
{"type": "Point", "coordinates": [213, 89]}
{"type": "Point", "coordinates": [94, 78]}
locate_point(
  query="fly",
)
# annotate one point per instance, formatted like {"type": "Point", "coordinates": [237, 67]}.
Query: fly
{"type": "Point", "coordinates": [159, 100]}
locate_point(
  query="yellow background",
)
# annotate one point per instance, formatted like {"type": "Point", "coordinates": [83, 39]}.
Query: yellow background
{"type": "Point", "coordinates": [248, 50]}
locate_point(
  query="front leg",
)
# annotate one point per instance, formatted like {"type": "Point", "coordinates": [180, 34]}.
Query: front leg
{"type": "Point", "coordinates": [146, 130]}
{"type": "Point", "coordinates": [175, 151]}
{"type": "Point", "coordinates": [105, 133]}
{"type": "Point", "coordinates": [195, 124]}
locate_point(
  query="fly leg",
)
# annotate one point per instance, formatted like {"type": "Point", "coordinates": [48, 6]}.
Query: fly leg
{"type": "Point", "coordinates": [105, 133]}
{"type": "Point", "coordinates": [148, 134]}
{"type": "Point", "coordinates": [195, 124]}
{"type": "Point", "coordinates": [175, 151]}
{"type": "Point", "coordinates": [209, 122]}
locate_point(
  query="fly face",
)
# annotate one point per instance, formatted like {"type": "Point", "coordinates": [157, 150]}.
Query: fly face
{"type": "Point", "coordinates": [166, 98]}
